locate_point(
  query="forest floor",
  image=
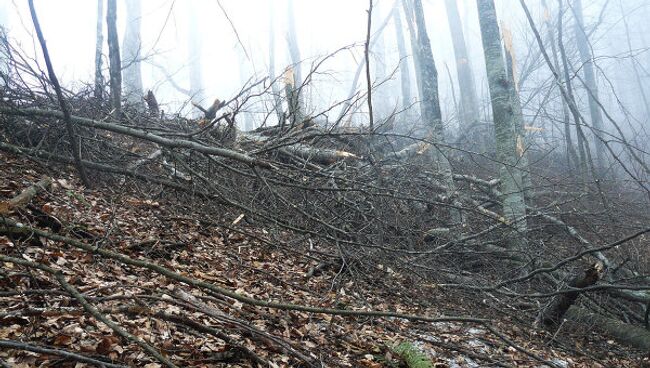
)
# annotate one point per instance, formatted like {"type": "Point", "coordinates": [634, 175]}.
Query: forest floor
{"type": "Point", "coordinates": [169, 231]}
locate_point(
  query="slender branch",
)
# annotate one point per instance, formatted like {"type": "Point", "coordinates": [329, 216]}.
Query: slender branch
{"type": "Point", "coordinates": [76, 146]}
{"type": "Point", "coordinates": [18, 345]}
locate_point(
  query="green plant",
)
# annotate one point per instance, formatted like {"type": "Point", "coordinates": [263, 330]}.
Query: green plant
{"type": "Point", "coordinates": [412, 356]}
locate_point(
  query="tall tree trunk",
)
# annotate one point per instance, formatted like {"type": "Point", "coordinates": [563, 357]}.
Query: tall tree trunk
{"type": "Point", "coordinates": [505, 119]}
{"type": "Point", "coordinates": [431, 112]}
{"type": "Point", "coordinates": [521, 148]}
{"type": "Point", "coordinates": [635, 68]}
{"type": "Point", "coordinates": [277, 101]}
{"type": "Point", "coordinates": [194, 57]}
{"type": "Point", "coordinates": [469, 116]}
{"type": "Point", "coordinates": [115, 65]}
{"type": "Point", "coordinates": [132, 53]}
{"type": "Point", "coordinates": [381, 108]}
{"type": "Point", "coordinates": [99, 45]}
{"type": "Point", "coordinates": [404, 69]}
{"type": "Point", "coordinates": [583, 149]}
{"type": "Point", "coordinates": [294, 91]}
{"type": "Point", "coordinates": [571, 155]}
{"type": "Point", "coordinates": [590, 81]}
{"type": "Point", "coordinates": [410, 21]}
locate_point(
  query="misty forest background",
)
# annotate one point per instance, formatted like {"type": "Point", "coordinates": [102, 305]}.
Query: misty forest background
{"type": "Point", "coordinates": [396, 183]}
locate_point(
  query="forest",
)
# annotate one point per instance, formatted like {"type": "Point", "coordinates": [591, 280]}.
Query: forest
{"type": "Point", "coordinates": [309, 183]}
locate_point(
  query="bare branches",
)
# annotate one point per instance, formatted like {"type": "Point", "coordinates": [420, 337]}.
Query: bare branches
{"type": "Point", "coordinates": [74, 140]}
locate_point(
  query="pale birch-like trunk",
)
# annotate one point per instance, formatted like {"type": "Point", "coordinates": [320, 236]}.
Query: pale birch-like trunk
{"type": "Point", "coordinates": [505, 119]}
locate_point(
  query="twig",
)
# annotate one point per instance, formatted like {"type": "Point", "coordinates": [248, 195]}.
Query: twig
{"type": "Point", "coordinates": [91, 309]}
{"type": "Point", "coordinates": [18, 345]}
{"type": "Point", "coordinates": [76, 147]}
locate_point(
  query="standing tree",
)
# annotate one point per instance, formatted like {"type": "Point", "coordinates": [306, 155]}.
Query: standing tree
{"type": "Point", "coordinates": [99, 45]}
{"type": "Point", "coordinates": [132, 52]}
{"type": "Point", "coordinates": [405, 71]}
{"type": "Point", "coordinates": [430, 101]}
{"type": "Point", "coordinates": [293, 83]}
{"type": "Point", "coordinates": [469, 111]}
{"type": "Point", "coordinates": [505, 118]}
{"type": "Point", "coordinates": [115, 66]}
{"type": "Point", "coordinates": [584, 49]}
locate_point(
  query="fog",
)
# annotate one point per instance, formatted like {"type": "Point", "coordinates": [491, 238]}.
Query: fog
{"type": "Point", "coordinates": [232, 38]}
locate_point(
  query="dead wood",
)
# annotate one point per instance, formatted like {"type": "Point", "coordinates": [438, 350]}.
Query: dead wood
{"type": "Point", "coordinates": [552, 315]}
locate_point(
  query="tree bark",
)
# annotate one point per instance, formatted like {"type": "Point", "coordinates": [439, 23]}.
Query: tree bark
{"type": "Point", "coordinates": [552, 315]}
{"type": "Point", "coordinates": [132, 53]}
{"type": "Point", "coordinates": [469, 116]}
{"type": "Point", "coordinates": [99, 45]}
{"type": "Point", "coordinates": [294, 89]}
{"type": "Point", "coordinates": [505, 119]}
{"type": "Point", "coordinates": [115, 65]}
{"type": "Point", "coordinates": [430, 103]}
{"type": "Point", "coordinates": [627, 334]}
{"type": "Point", "coordinates": [590, 81]}
{"type": "Point", "coordinates": [404, 69]}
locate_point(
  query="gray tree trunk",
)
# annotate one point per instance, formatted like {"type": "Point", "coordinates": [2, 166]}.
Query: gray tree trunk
{"type": "Point", "coordinates": [277, 101]}
{"type": "Point", "coordinates": [571, 155]}
{"type": "Point", "coordinates": [404, 69]}
{"type": "Point", "coordinates": [410, 21]}
{"type": "Point", "coordinates": [381, 106]}
{"type": "Point", "coordinates": [115, 66]}
{"type": "Point", "coordinates": [469, 116]}
{"type": "Point", "coordinates": [99, 46]}
{"type": "Point", "coordinates": [590, 80]}
{"type": "Point", "coordinates": [430, 103]}
{"type": "Point", "coordinates": [633, 61]}
{"type": "Point", "coordinates": [132, 53]}
{"type": "Point", "coordinates": [194, 57]}
{"type": "Point", "coordinates": [294, 92]}
{"type": "Point", "coordinates": [505, 118]}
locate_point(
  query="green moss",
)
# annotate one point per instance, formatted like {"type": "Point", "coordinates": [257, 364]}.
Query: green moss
{"type": "Point", "coordinates": [412, 356]}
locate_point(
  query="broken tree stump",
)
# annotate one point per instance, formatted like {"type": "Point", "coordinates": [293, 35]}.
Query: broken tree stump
{"type": "Point", "coordinates": [557, 308]}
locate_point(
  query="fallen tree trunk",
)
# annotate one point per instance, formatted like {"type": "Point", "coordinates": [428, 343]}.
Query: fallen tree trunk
{"type": "Point", "coordinates": [625, 333]}
{"type": "Point", "coordinates": [554, 312]}
{"type": "Point", "coordinates": [143, 134]}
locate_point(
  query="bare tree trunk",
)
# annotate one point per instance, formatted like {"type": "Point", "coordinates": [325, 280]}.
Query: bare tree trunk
{"type": "Point", "coordinates": [571, 155]}
{"type": "Point", "coordinates": [635, 68]}
{"type": "Point", "coordinates": [132, 53]}
{"type": "Point", "coordinates": [590, 81]}
{"type": "Point", "coordinates": [521, 149]}
{"type": "Point", "coordinates": [405, 70]}
{"type": "Point", "coordinates": [99, 45]}
{"type": "Point", "coordinates": [505, 119]}
{"type": "Point", "coordinates": [469, 116]}
{"type": "Point", "coordinates": [583, 149]}
{"type": "Point", "coordinates": [410, 21]}
{"type": "Point", "coordinates": [294, 94]}
{"type": "Point", "coordinates": [74, 139]}
{"type": "Point", "coordinates": [115, 65]}
{"type": "Point", "coordinates": [381, 108]}
{"type": "Point", "coordinates": [431, 112]}
{"type": "Point", "coordinates": [277, 101]}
